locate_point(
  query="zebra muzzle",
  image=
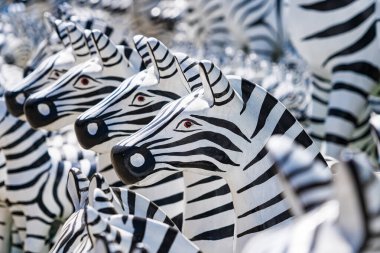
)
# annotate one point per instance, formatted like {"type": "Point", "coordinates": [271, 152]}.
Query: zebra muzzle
{"type": "Point", "coordinates": [15, 102]}
{"type": "Point", "coordinates": [132, 164]}
{"type": "Point", "coordinates": [90, 132]}
{"type": "Point", "coordinates": [40, 111]}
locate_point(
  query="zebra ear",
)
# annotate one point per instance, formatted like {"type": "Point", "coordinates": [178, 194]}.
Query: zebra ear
{"type": "Point", "coordinates": [188, 71]}
{"type": "Point", "coordinates": [97, 181]}
{"type": "Point", "coordinates": [217, 89]}
{"type": "Point", "coordinates": [90, 42]}
{"type": "Point", "coordinates": [77, 188]}
{"type": "Point", "coordinates": [60, 28]}
{"type": "Point", "coordinates": [162, 59]}
{"type": "Point", "coordinates": [357, 190]}
{"type": "Point", "coordinates": [182, 76]}
{"type": "Point", "coordinates": [78, 42]}
{"type": "Point", "coordinates": [106, 50]}
{"type": "Point", "coordinates": [140, 42]}
{"type": "Point", "coordinates": [307, 183]}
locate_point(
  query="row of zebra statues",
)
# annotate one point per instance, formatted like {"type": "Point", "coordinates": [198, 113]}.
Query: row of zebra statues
{"type": "Point", "coordinates": [114, 138]}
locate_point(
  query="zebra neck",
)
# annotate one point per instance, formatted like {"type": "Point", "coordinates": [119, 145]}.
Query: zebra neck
{"type": "Point", "coordinates": [25, 150]}
{"type": "Point", "coordinates": [256, 196]}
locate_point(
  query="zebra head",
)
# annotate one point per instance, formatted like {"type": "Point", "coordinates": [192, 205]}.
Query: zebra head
{"type": "Point", "coordinates": [138, 99]}
{"type": "Point", "coordinates": [209, 132]}
{"type": "Point", "coordinates": [84, 85]}
{"type": "Point", "coordinates": [194, 120]}
{"type": "Point", "coordinates": [50, 69]}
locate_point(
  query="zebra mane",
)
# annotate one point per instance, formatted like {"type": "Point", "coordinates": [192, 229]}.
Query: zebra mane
{"type": "Point", "coordinates": [307, 183]}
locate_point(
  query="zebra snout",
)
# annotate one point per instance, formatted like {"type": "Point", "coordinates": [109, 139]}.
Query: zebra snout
{"type": "Point", "coordinates": [40, 111]}
{"type": "Point", "coordinates": [132, 164]}
{"type": "Point", "coordinates": [90, 132]}
{"type": "Point", "coordinates": [15, 102]}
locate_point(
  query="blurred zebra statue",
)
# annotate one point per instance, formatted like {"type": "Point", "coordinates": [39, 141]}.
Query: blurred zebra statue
{"type": "Point", "coordinates": [350, 221]}
{"type": "Point", "coordinates": [216, 132]}
{"type": "Point", "coordinates": [36, 188]}
{"type": "Point", "coordinates": [341, 49]}
{"type": "Point", "coordinates": [108, 201]}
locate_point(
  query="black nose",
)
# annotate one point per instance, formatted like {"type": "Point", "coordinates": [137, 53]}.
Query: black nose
{"type": "Point", "coordinates": [40, 112]}
{"type": "Point", "coordinates": [15, 102]}
{"type": "Point", "coordinates": [132, 164]}
{"type": "Point", "coordinates": [91, 132]}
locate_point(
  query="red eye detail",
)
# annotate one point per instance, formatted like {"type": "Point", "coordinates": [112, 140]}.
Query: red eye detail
{"type": "Point", "coordinates": [187, 124]}
{"type": "Point", "coordinates": [84, 81]}
{"type": "Point", "coordinates": [140, 99]}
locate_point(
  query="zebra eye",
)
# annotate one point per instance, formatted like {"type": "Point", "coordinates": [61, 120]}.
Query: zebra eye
{"type": "Point", "coordinates": [140, 99]}
{"type": "Point", "coordinates": [84, 81]}
{"type": "Point", "coordinates": [187, 124]}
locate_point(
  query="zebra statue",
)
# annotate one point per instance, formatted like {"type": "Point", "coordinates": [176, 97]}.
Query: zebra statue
{"type": "Point", "coordinates": [29, 168]}
{"type": "Point", "coordinates": [108, 201]}
{"type": "Point", "coordinates": [350, 220]}
{"type": "Point", "coordinates": [85, 85]}
{"type": "Point", "coordinates": [133, 105]}
{"type": "Point", "coordinates": [233, 149]}
{"type": "Point", "coordinates": [344, 73]}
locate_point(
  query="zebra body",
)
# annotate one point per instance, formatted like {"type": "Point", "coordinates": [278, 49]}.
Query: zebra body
{"type": "Point", "coordinates": [193, 134]}
{"type": "Point", "coordinates": [134, 104]}
{"type": "Point", "coordinates": [350, 220]}
{"type": "Point", "coordinates": [345, 71]}
{"type": "Point", "coordinates": [5, 217]}
{"type": "Point", "coordinates": [31, 170]}
{"type": "Point", "coordinates": [307, 184]}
